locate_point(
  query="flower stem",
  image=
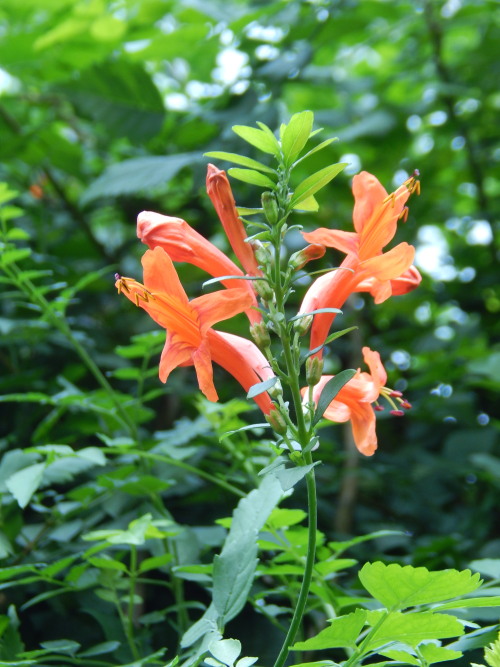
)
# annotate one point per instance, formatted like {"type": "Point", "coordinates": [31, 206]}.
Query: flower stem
{"type": "Point", "coordinates": [308, 569]}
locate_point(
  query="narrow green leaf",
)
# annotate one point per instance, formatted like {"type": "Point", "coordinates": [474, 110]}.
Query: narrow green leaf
{"type": "Point", "coordinates": [342, 633]}
{"type": "Point", "coordinates": [252, 177]}
{"type": "Point", "coordinates": [295, 135]}
{"type": "Point", "coordinates": [259, 138]}
{"type": "Point", "coordinates": [315, 182]}
{"type": "Point", "coordinates": [317, 148]}
{"type": "Point", "coordinates": [14, 255]}
{"type": "Point", "coordinates": [398, 587]}
{"type": "Point", "coordinates": [330, 390]}
{"type": "Point", "coordinates": [401, 656]}
{"type": "Point", "coordinates": [100, 649]}
{"type": "Point", "coordinates": [261, 387]}
{"type": "Point", "coordinates": [468, 603]}
{"type": "Point", "coordinates": [108, 564]}
{"type": "Point", "coordinates": [219, 279]}
{"type": "Point", "coordinates": [242, 160]}
{"type": "Point", "coordinates": [330, 338]}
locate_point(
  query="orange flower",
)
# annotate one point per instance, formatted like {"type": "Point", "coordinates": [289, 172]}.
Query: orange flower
{"type": "Point", "coordinates": [221, 195]}
{"type": "Point", "coordinates": [185, 244]}
{"type": "Point", "coordinates": [353, 402]}
{"type": "Point", "coordinates": [190, 338]}
{"type": "Point", "coordinates": [366, 267]}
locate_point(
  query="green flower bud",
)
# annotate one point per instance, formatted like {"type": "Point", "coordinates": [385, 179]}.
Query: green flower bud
{"type": "Point", "coordinates": [264, 289]}
{"type": "Point", "coordinates": [277, 422]}
{"type": "Point", "coordinates": [261, 252]}
{"type": "Point", "coordinates": [270, 206]}
{"type": "Point", "coordinates": [303, 324]}
{"type": "Point", "coordinates": [260, 334]}
{"type": "Point", "coordinates": [314, 369]}
{"type": "Point", "coordinates": [276, 391]}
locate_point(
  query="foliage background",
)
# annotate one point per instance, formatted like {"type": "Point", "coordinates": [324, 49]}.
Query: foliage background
{"type": "Point", "coordinates": [106, 109]}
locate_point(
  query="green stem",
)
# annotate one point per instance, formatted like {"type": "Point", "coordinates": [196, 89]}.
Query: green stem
{"type": "Point", "coordinates": [131, 594]}
{"type": "Point", "coordinates": [308, 569]}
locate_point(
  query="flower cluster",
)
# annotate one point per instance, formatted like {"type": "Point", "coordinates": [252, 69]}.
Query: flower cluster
{"type": "Point", "coordinates": [191, 338]}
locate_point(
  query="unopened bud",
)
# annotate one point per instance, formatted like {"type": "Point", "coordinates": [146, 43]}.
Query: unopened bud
{"type": "Point", "coordinates": [264, 289]}
{"type": "Point", "coordinates": [277, 422]}
{"type": "Point", "coordinates": [276, 391]}
{"type": "Point", "coordinates": [300, 258]}
{"type": "Point", "coordinates": [260, 334]}
{"type": "Point", "coordinates": [303, 324]}
{"type": "Point", "coordinates": [314, 369]}
{"type": "Point", "coordinates": [261, 252]}
{"type": "Point", "coordinates": [270, 206]}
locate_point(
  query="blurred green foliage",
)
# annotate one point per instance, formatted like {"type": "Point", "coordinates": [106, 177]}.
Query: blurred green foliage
{"type": "Point", "coordinates": [106, 109]}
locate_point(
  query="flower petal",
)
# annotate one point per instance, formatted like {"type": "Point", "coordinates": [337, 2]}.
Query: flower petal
{"type": "Point", "coordinates": [369, 194]}
{"type": "Point", "coordinates": [160, 274]}
{"type": "Point", "coordinates": [220, 193]}
{"type": "Point", "coordinates": [176, 352]}
{"type": "Point", "coordinates": [389, 265]}
{"type": "Point", "coordinates": [347, 242]}
{"type": "Point", "coordinates": [221, 305]}
{"type": "Point", "coordinates": [374, 363]}
{"type": "Point", "coordinates": [243, 360]}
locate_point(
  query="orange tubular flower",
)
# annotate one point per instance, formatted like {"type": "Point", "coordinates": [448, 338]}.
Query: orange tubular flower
{"type": "Point", "coordinates": [353, 402]}
{"type": "Point", "coordinates": [190, 338]}
{"type": "Point", "coordinates": [366, 267]}
{"type": "Point", "coordinates": [221, 195]}
{"type": "Point", "coordinates": [185, 244]}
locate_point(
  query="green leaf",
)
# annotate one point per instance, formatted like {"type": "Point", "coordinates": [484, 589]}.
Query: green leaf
{"type": "Point", "coordinates": [315, 312]}
{"type": "Point", "coordinates": [155, 562]}
{"type": "Point", "coordinates": [411, 629]}
{"type": "Point", "coordinates": [261, 387]}
{"type": "Point", "coordinates": [469, 603]}
{"type": "Point", "coordinates": [330, 390]}
{"type": "Point", "coordinates": [242, 160]}
{"type": "Point", "coordinates": [235, 567]}
{"type": "Point", "coordinates": [264, 141]}
{"type": "Point", "coordinates": [401, 656]}
{"type": "Point", "coordinates": [317, 148]}
{"type": "Point", "coordinates": [121, 95]}
{"type": "Point", "coordinates": [100, 649]}
{"type": "Point", "coordinates": [432, 653]}
{"type": "Point", "coordinates": [252, 177]}
{"type": "Point", "coordinates": [342, 633]}
{"type": "Point", "coordinates": [315, 182]}
{"type": "Point", "coordinates": [23, 483]}
{"type": "Point", "coordinates": [137, 174]}
{"type": "Point", "coordinates": [398, 587]}
{"type": "Point", "coordinates": [225, 650]}
{"type": "Point", "coordinates": [65, 646]}
{"type": "Point", "coordinates": [14, 255]}
{"type": "Point", "coordinates": [295, 135]}
{"type": "Point", "coordinates": [308, 204]}
{"type": "Point", "coordinates": [283, 518]}
{"type": "Point", "coordinates": [104, 563]}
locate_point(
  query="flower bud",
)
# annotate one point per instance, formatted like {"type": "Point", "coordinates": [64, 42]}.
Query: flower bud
{"type": "Point", "coordinates": [276, 391]}
{"type": "Point", "coordinates": [264, 289]}
{"type": "Point", "coordinates": [277, 422]}
{"type": "Point", "coordinates": [300, 258]}
{"type": "Point", "coordinates": [270, 206]}
{"type": "Point", "coordinates": [261, 252]}
{"type": "Point", "coordinates": [314, 369]}
{"type": "Point", "coordinates": [303, 324]}
{"type": "Point", "coordinates": [260, 334]}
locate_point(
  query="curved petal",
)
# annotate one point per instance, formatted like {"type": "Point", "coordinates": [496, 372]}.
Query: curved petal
{"type": "Point", "coordinates": [369, 194]}
{"type": "Point", "coordinates": [160, 274]}
{"type": "Point", "coordinates": [374, 363]}
{"type": "Point", "coordinates": [347, 242]}
{"type": "Point", "coordinates": [389, 265]}
{"type": "Point", "coordinates": [221, 305]}
{"type": "Point", "coordinates": [243, 360]}
{"type": "Point", "coordinates": [203, 364]}
{"type": "Point", "coordinates": [176, 352]}
{"type": "Point", "coordinates": [407, 281]}
{"type": "Point", "coordinates": [363, 428]}
{"type": "Point", "coordinates": [220, 193]}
